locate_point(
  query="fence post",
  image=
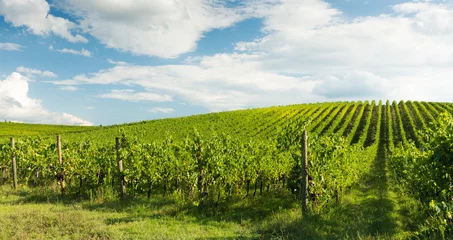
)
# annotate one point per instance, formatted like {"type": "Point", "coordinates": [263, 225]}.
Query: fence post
{"type": "Point", "coordinates": [60, 159]}
{"type": "Point", "coordinates": [13, 158]}
{"type": "Point", "coordinates": [60, 175]}
{"type": "Point", "coordinates": [304, 170]}
{"type": "Point", "coordinates": [120, 168]}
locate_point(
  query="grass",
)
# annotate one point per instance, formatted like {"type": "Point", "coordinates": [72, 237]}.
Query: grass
{"type": "Point", "coordinates": [27, 214]}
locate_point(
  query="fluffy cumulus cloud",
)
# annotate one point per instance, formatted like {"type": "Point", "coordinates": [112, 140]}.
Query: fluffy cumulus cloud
{"type": "Point", "coordinates": [164, 28]}
{"type": "Point", "coordinates": [353, 85]}
{"type": "Point", "coordinates": [34, 16]}
{"type": "Point", "coordinates": [359, 57]}
{"type": "Point", "coordinates": [220, 82]}
{"type": "Point", "coordinates": [309, 52]}
{"type": "Point", "coordinates": [16, 105]}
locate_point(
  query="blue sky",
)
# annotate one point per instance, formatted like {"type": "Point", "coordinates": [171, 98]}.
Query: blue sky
{"type": "Point", "coordinates": [106, 62]}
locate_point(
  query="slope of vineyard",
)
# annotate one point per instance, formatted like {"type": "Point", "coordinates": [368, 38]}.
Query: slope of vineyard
{"type": "Point", "coordinates": [226, 139]}
{"type": "Point", "coordinates": [211, 158]}
{"type": "Point", "coordinates": [11, 129]}
{"type": "Point", "coordinates": [259, 124]}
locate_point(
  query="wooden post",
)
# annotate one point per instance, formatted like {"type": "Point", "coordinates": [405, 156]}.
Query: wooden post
{"type": "Point", "coordinates": [60, 159]}
{"type": "Point", "coordinates": [120, 168]}
{"type": "Point", "coordinates": [200, 182]}
{"type": "Point", "coordinates": [304, 170]}
{"type": "Point", "coordinates": [13, 157]}
{"type": "Point", "coordinates": [60, 175]}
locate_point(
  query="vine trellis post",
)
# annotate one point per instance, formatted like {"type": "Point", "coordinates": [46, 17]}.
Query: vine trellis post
{"type": "Point", "coordinates": [13, 162]}
{"type": "Point", "coordinates": [60, 176]}
{"type": "Point", "coordinates": [120, 168]}
{"type": "Point", "coordinates": [304, 171]}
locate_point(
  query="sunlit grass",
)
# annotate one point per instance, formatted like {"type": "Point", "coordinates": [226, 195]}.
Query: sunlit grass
{"type": "Point", "coordinates": [363, 213]}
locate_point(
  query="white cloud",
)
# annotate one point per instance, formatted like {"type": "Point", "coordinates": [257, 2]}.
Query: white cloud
{"type": "Point", "coordinates": [310, 53]}
{"type": "Point", "coordinates": [163, 28]}
{"type": "Point", "coordinates": [133, 96]}
{"type": "Point", "coordinates": [48, 74]}
{"type": "Point", "coordinates": [416, 40]}
{"type": "Point", "coordinates": [29, 72]}
{"type": "Point", "coordinates": [220, 82]}
{"type": "Point", "coordinates": [161, 110]}
{"type": "Point", "coordinates": [68, 88]}
{"type": "Point", "coordinates": [82, 52]}
{"type": "Point", "coordinates": [338, 45]}
{"type": "Point", "coordinates": [16, 105]}
{"type": "Point", "coordinates": [116, 63]}
{"type": "Point", "coordinates": [291, 15]}
{"type": "Point", "coordinates": [430, 19]}
{"type": "Point", "coordinates": [34, 15]}
{"type": "Point", "coordinates": [66, 118]}
{"type": "Point", "coordinates": [89, 108]}
{"type": "Point", "coordinates": [10, 46]}
{"type": "Point", "coordinates": [353, 85]}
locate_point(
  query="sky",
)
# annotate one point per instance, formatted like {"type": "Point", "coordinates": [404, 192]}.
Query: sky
{"type": "Point", "coordinates": [103, 62]}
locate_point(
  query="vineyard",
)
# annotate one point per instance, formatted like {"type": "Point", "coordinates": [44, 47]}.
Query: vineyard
{"type": "Point", "coordinates": [212, 158]}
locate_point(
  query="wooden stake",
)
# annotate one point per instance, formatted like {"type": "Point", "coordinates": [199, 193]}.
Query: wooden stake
{"type": "Point", "coordinates": [304, 170]}
{"type": "Point", "coordinates": [120, 168]}
{"type": "Point", "coordinates": [60, 176]}
{"type": "Point", "coordinates": [60, 158]}
{"type": "Point", "coordinates": [13, 157]}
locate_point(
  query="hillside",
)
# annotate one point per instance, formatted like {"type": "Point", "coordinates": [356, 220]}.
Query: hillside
{"type": "Point", "coordinates": [12, 129]}
{"type": "Point", "coordinates": [258, 124]}
{"type": "Point", "coordinates": [366, 172]}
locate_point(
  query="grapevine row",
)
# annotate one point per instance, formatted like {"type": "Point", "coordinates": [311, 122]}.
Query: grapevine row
{"type": "Point", "coordinates": [428, 116]}
{"type": "Point", "coordinates": [421, 124]}
{"type": "Point", "coordinates": [390, 125]}
{"type": "Point", "coordinates": [333, 116]}
{"type": "Point", "coordinates": [408, 117]}
{"type": "Point", "coordinates": [364, 132]}
{"type": "Point", "coordinates": [348, 119]}
{"type": "Point", "coordinates": [341, 118]}
{"type": "Point", "coordinates": [356, 123]}
{"type": "Point", "coordinates": [402, 132]}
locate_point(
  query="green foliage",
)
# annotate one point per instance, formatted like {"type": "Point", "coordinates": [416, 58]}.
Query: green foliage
{"type": "Point", "coordinates": [347, 122]}
{"type": "Point", "coordinates": [425, 112]}
{"type": "Point", "coordinates": [390, 124]}
{"type": "Point", "coordinates": [261, 151]}
{"type": "Point", "coordinates": [418, 115]}
{"type": "Point", "coordinates": [426, 173]}
{"type": "Point", "coordinates": [364, 133]}
{"type": "Point", "coordinates": [401, 126]}
{"type": "Point", "coordinates": [11, 129]}
{"type": "Point", "coordinates": [409, 120]}
{"type": "Point", "coordinates": [334, 164]}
